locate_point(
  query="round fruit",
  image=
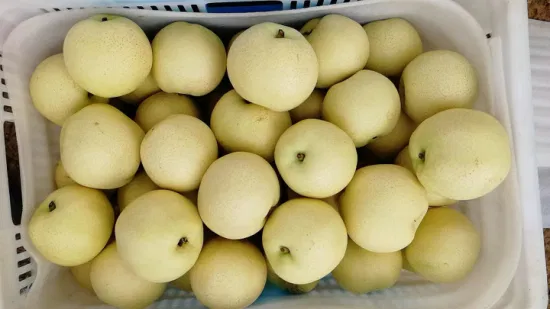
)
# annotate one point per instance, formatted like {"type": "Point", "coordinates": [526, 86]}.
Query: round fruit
{"type": "Point", "coordinates": [161, 105]}
{"type": "Point", "coordinates": [107, 55]}
{"type": "Point", "coordinates": [460, 154]}
{"type": "Point", "coordinates": [362, 271]}
{"type": "Point", "coordinates": [100, 147]}
{"type": "Point", "coordinates": [140, 185]}
{"type": "Point", "coordinates": [393, 44]}
{"type": "Point", "coordinates": [404, 159]}
{"type": "Point", "coordinates": [115, 284]}
{"type": "Point", "coordinates": [304, 240]}
{"type": "Point", "coordinates": [365, 106]}
{"type": "Point", "coordinates": [242, 126]}
{"type": "Point", "coordinates": [446, 246]}
{"type": "Point", "coordinates": [159, 235]}
{"type": "Point", "coordinates": [382, 207]}
{"type": "Point", "coordinates": [54, 93]}
{"type": "Point", "coordinates": [316, 158]}
{"type": "Point", "coordinates": [72, 225]}
{"type": "Point", "coordinates": [435, 81]}
{"type": "Point", "coordinates": [229, 274]}
{"type": "Point", "coordinates": [351, 54]}
{"type": "Point", "coordinates": [236, 194]}
{"type": "Point", "coordinates": [189, 59]}
{"type": "Point", "coordinates": [273, 66]}
{"type": "Point", "coordinates": [177, 151]}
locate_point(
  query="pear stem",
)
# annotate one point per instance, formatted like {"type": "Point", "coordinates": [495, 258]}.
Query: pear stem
{"type": "Point", "coordinates": [182, 241]}
{"type": "Point", "coordinates": [52, 206]}
{"type": "Point", "coordinates": [284, 250]}
{"type": "Point", "coordinates": [104, 19]}
{"type": "Point", "coordinates": [280, 34]}
{"type": "Point", "coordinates": [422, 155]}
{"type": "Point", "coordinates": [301, 156]}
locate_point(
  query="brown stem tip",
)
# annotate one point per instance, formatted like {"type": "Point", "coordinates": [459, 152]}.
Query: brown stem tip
{"type": "Point", "coordinates": [284, 250]}
{"type": "Point", "coordinates": [280, 34]}
{"type": "Point", "coordinates": [52, 206]}
{"type": "Point", "coordinates": [182, 241]}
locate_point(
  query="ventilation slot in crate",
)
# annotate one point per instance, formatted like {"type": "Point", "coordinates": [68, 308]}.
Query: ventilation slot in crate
{"type": "Point", "coordinates": [188, 7]}
{"type": "Point", "coordinates": [232, 7]}
{"type": "Point", "coordinates": [243, 7]}
{"type": "Point", "coordinates": [14, 176]}
{"type": "Point", "coordinates": [26, 267]}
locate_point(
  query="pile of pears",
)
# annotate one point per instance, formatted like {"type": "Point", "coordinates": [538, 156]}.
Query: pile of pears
{"type": "Point", "coordinates": [333, 149]}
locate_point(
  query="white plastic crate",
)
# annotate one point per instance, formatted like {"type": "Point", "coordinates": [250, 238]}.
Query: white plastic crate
{"type": "Point", "coordinates": [504, 217]}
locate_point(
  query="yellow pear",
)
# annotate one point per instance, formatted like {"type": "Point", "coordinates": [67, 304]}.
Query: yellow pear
{"type": "Point", "coordinates": [435, 81]}
{"type": "Point", "coordinates": [81, 274]}
{"type": "Point", "coordinates": [382, 207]}
{"type": "Point", "coordinates": [144, 90]}
{"type": "Point", "coordinates": [184, 282]}
{"type": "Point", "coordinates": [446, 246]}
{"type": "Point", "coordinates": [61, 177]}
{"type": "Point", "coordinates": [140, 185]}
{"type": "Point", "coordinates": [242, 126]}
{"type": "Point", "coordinates": [389, 145]}
{"type": "Point", "coordinates": [362, 271]}
{"type": "Point", "coordinates": [434, 199]}
{"type": "Point", "coordinates": [72, 225]}
{"type": "Point", "coordinates": [311, 108]}
{"type": "Point", "coordinates": [159, 235]}
{"type": "Point", "coordinates": [115, 284]}
{"type": "Point", "coordinates": [189, 59]}
{"type": "Point", "coordinates": [304, 240]}
{"type": "Point", "coordinates": [365, 106]}
{"type": "Point", "coordinates": [100, 147]}
{"type": "Point", "coordinates": [393, 44]}
{"type": "Point", "coordinates": [236, 195]}
{"type": "Point", "coordinates": [54, 93]}
{"type": "Point", "coordinates": [460, 153]}
{"type": "Point", "coordinates": [176, 152]}
{"type": "Point", "coordinates": [229, 274]}
{"type": "Point", "coordinates": [316, 158]}
{"type": "Point", "coordinates": [160, 105]}
{"type": "Point", "coordinates": [107, 55]}
{"type": "Point", "coordinates": [287, 286]}
{"type": "Point", "coordinates": [341, 46]}
{"type": "Point", "coordinates": [273, 66]}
